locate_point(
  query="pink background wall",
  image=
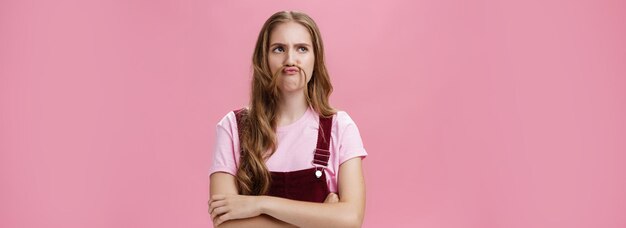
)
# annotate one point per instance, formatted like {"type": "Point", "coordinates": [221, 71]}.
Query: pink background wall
{"type": "Point", "coordinates": [474, 114]}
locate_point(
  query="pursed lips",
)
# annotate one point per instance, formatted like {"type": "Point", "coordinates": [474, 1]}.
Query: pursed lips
{"type": "Point", "coordinates": [291, 70]}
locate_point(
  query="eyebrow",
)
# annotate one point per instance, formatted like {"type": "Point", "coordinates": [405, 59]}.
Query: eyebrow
{"type": "Point", "coordinates": [298, 44]}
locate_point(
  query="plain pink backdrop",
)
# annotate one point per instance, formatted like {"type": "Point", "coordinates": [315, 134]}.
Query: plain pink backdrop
{"type": "Point", "coordinates": [474, 113]}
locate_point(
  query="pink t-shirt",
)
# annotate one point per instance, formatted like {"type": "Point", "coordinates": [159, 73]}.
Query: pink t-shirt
{"type": "Point", "coordinates": [296, 144]}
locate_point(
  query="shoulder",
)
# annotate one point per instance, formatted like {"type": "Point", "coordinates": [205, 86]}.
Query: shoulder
{"type": "Point", "coordinates": [229, 120]}
{"type": "Point", "coordinates": [342, 120]}
{"type": "Point", "coordinates": [349, 142]}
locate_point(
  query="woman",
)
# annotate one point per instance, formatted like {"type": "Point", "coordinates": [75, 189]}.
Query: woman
{"type": "Point", "coordinates": [282, 161]}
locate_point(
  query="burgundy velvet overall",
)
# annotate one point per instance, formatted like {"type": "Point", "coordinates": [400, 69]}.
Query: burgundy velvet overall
{"type": "Point", "coordinates": [304, 184]}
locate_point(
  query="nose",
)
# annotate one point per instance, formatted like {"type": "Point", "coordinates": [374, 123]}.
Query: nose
{"type": "Point", "coordinates": [291, 59]}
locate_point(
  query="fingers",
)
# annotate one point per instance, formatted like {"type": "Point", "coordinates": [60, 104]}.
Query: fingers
{"type": "Point", "coordinates": [334, 198]}
{"type": "Point", "coordinates": [331, 198]}
{"type": "Point", "coordinates": [221, 219]}
{"type": "Point", "coordinates": [218, 211]}
{"type": "Point", "coordinates": [216, 204]}
{"type": "Point", "coordinates": [234, 207]}
{"type": "Point", "coordinates": [216, 201]}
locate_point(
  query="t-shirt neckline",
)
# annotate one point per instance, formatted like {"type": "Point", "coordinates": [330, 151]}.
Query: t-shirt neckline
{"type": "Point", "coordinates": [308, 112]}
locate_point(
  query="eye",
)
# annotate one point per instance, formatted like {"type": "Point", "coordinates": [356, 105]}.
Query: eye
{"type": "Point", "coordinates": [303, 49]}
{"type": "Point", "coordinates": [278, 49]}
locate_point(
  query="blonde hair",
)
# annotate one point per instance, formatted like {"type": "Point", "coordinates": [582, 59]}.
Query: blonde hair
{"type": "Point", "coordinates": [258, 124]}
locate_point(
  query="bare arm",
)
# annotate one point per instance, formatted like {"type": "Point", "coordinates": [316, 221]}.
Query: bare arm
{"type": "Point", "coordinates": [347, 213]}
{"type": "Point", "coordinates": [224, 183]}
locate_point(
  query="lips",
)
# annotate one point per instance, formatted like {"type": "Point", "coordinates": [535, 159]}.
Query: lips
{"type": "Point", "coordinates": [291, 70]}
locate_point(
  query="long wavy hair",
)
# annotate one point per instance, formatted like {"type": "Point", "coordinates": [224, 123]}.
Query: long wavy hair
{"type": "Point", "coordinates": [258, 125]}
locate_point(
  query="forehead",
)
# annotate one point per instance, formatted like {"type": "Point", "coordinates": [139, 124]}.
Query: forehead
{"type": "Point", "coordinates": [290, 32]}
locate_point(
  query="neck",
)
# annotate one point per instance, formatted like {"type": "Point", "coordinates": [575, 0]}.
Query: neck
{"type": "Point", "coordinates": [291, 107]}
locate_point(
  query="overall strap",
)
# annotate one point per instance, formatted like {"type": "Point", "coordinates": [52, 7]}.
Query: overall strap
{"type": "Point", "coordinates": [238, 114]}
{"type": "Point", "coordinates": [322, 152]}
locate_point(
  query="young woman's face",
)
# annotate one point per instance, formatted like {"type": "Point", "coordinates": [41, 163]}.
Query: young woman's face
{"type": "Point", "coordinates": [291, 46]}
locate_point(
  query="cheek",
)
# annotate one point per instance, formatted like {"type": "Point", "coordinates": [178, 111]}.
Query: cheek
{"type": "Point", "coordinates": [310, 66]}
{"type": "Point", "coordinates": [274, 64]}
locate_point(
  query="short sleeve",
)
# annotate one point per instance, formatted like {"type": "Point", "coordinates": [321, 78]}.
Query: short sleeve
{"type": "Point", "coordinates": [349, 138]}
{"type": "Point", "coordinates": [225, 150]}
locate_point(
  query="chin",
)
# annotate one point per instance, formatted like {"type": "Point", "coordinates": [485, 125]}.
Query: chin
{"type": "Point", "coordinates": [290, 89]}
{"type": "Point", "coordinates": [292, 84]}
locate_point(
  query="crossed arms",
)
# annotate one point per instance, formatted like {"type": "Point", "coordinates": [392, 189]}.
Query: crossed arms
{"type": "Point", "coordinates": [229, 209]}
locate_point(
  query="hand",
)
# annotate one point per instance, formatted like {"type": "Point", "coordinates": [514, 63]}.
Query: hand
{"type": "Point", "coordinates": [227, 207]}
{"type": "Point", "coordinates": [332, 198]}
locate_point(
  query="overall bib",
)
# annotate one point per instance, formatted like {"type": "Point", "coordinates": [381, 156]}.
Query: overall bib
{"type": "Point", "coordinates": [305, 184]}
